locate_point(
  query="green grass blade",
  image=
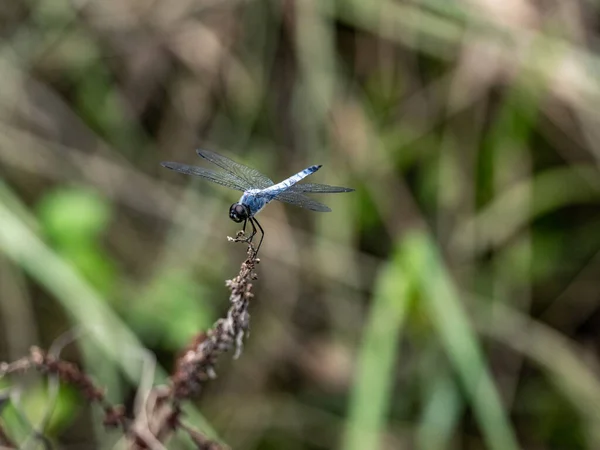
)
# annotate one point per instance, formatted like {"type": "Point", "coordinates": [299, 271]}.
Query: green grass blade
{"type": "Point", "coordinates": [441, 413]}
{"type": "Point", "coordinates": [460, 342]}
{"type": "Point", "coordinates": [370, 397]}
{"type": "Point", "coordinates": [79, 299]}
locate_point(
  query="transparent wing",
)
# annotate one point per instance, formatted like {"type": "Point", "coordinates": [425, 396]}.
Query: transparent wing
{"type": "Point", "coordinates": [297, 199]}
{"type": "Point", "coordinates": [251, 178]}
{"type": "Point", "coordinates": [317, 188]}
{"type": "Point", "coordinates": [222, 178]}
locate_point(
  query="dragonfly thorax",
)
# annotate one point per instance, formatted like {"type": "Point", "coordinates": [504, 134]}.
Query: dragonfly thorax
{"type": "Point", "coordinates": [255, 200]}
{"type": "Point", "coordinates": [238, 212]}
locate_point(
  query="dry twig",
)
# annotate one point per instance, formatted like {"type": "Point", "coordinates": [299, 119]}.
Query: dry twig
{"type": "Point", "coordinates": [195, 366]}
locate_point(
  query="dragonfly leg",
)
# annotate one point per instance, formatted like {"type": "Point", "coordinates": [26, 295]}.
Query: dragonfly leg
{"type": "Point", "coordinates": [244, 228]}
{"type": "Point", "coordinates": [262, 234]}
{"type": "Point", "coordinates": [249, 238]}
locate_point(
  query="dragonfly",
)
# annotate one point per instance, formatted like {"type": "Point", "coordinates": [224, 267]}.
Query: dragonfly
{"type": "Point", "coordinates": [258, 189]}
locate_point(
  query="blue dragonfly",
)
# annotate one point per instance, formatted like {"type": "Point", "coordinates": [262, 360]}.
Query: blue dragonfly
{"type": "Point", "coordinates": [258, 190]}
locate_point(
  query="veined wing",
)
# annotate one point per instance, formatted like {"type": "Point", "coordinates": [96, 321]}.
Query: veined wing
{"type": "Point", "coordinates": [249, 177]}
{"type": "Point", "coordinates": [317, 188]}
{"type": "Point", "coordinates": [297, 199]}
{"type": "Point", "coordinates": [222, 178]}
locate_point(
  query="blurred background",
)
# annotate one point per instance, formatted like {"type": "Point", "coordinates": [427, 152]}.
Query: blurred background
{"type": "Point", "coordinates": [451, 302]}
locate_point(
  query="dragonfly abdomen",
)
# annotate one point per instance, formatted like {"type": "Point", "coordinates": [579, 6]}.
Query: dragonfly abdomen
{"type": "Point", "coordinates": [278, 188]}
{"type": "Point", "coordinates": [299, 176]}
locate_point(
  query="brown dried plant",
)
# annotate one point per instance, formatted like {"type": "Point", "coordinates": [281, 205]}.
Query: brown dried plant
{"type": "Point", "coordinates": [162, 413]}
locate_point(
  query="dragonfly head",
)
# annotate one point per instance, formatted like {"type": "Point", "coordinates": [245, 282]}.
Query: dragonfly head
{"type": "Point", "coordinates": [238, 212]}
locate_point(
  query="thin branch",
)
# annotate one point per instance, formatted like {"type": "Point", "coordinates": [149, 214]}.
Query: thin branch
{"type": "Point", "coordinates": [159, 414]}
{"type": "Point", "coordinates": [67, 373]}
{"type": "Point", "coordinates": [54, 351]}
{"type": "Point", "coordinates": [201, 442]}
{"type": "Point", "coordinates": [197, 364]}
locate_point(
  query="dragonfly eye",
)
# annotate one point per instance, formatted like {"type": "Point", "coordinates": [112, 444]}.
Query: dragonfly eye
{"type": "Point", "coordinates": [238, 212]}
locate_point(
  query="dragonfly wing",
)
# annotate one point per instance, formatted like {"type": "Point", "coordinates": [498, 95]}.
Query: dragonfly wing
{"type": "Point", "coordinates": [297, 199]}
{"type": "Point", "coordinates": [222, 178]}
{"type": "Point", "coordinates": [317, 188]}
{"type": "Point", "coordinates": [252, 178]}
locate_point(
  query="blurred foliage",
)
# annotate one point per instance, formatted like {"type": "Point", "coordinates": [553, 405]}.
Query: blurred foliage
{"type": "Point", "coordinates": [451, 302]}
{"type": "Point", "coordinates": [73, 220]}
{"type": "Point", "coordinates": [183, 308]}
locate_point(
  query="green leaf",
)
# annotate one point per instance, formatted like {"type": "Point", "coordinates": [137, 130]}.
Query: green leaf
{"type": "Point", "coordinates": [182, 305]}
{"type": "Point", "coordinates": [73, 214]}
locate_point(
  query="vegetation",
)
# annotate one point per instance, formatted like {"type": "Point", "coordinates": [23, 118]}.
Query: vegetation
{"type": "Point", "coordinates": [451, 302]}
